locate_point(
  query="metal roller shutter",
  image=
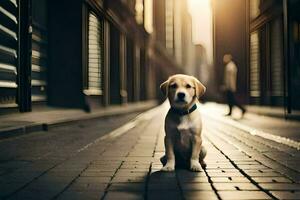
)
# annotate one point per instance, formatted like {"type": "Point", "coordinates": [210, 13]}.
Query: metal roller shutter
{"type": "Point", "coordinates": [254, 65]}
{"type": "Point", "coordinates": [95, 55]}
{"type": "Point", "coordinates": [39, 64]}
{"type": "Point", "coordinates": [276, 58]}
{"type": "Point", "coordinates": [39, 51]}
{"type": "Point", "coordinates": [8, 52]}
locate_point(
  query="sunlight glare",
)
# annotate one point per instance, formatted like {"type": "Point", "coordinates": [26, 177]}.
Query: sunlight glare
{"type": "Point", "coordinates": [201, 12]}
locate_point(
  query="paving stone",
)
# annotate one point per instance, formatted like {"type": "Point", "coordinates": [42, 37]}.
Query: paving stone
{"type": "Point", "coordinates": [162, 174]}
{"type": "Point", "coordinates": [220, 166]}
{"type": "Point", "coordinates": [286, 194]}
{"type": "Point", "coordinates": [34, 195]}
{"type": "Point", "coordinates": [264, 174]}
{"type": "Point", "coordinates": [196, 186]}
{"type": "Point", "coordinates": [246, 162]}
{"type": "Point", "coordinates": [107, 170]}
{"type": "Point", "coordinates": [103, 167]}
{"type": "Point", "coordinates": [50, 183]}
{"type": "Point", "coordinates": [271, 180]}
{"type": "Point", "coordinates": [137, 187]}
{"type": "Point", "coordinates": [222, 170]}
{"type": "Point", "coordinates": [281, 186]}
{"type": "Point", "coordinates": [163, 186]}
{"type": "Point", "coordinates": [79, 195]}
{"type": "Point", "coordinates": [129, 174]}
{"type": "Point", "coordinates": [116, 195]}
{"type": "Point", "coordinates": [244, 167]}
{"type": "Point", "coordinates": [187, 173]}
{"type": "Point", "coordinates": [229, 180]}
{"type": "Point", "coordinates": [130, 179]}
{"type": "Point", "coordinates": [106, 162]}
{"type": "Point", "coordinates": [138, 162]}
{"type": "Point", "coordinates": [9, 188]}
{"type": "Point", "coordinates": [159, 195]}
{"type": "Point", "coordinates": [97, 173]}
{"type": "Point", "coordinates": [239, 195]}
{"type": "Point", "coordinates": [20, 176]}
{"type": "Point", "coordinates": [87, 186]}
{"type": "Point", "coordinates": [199, 195]}
{"type": "Point", "coordinates": [235, 186]}
{"type": "Point", "coordinates": [200, 179]}
{"type": "Point", "coordinates": [132, 170]}
{"type": "Point", "coordinates": [136, 158]}
{"type": "Point", "coordinates": [226, 174]}
{"type": "Point", "coordinates": [135, 166]}
{"type": "Point", "coordinates": [259, 170]}
{"type": "Point", "coordinates": [64, 173]}
{"type": "Point", "coordinates": [93, 179]}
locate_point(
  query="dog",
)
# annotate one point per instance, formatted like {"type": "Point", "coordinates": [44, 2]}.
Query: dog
{"type": "Point", "coordinates": [183, 125]}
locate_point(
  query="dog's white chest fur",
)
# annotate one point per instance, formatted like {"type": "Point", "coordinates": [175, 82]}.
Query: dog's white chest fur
{"type": "Point", "coordinates": [185, 132]}
{"type": "Point", "coordinates": [185, 124]}
{"type": "Point", "coordinates": [189, 122]}
{"type": "Point", "coordinates": [186, 129]}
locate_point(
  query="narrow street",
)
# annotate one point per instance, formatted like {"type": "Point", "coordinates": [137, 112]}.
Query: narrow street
{"type": "Point", "coordinates": [81, 82]}
{"type": "Point", "coordinates": [118, 158]}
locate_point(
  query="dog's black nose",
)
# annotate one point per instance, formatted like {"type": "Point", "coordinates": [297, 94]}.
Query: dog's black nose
{"type": "Point", "coordinates": [181, 95]}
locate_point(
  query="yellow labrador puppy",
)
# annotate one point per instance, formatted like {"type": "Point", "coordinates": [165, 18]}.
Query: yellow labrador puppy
{"type": "Point", "coordinates": [183, 142]}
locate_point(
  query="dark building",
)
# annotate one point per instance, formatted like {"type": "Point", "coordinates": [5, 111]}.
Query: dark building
{"type": "Point", "coordinates": [75, 53]}
{"type": "Point", "coordinates": [263, 37]}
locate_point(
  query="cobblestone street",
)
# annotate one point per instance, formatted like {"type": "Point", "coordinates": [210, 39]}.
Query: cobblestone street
{"type": "Point", "coordinates": [124, 163]}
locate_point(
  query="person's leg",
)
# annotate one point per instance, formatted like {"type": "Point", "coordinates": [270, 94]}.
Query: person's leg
{"type": "Point", "coordinates": [229, 96]}
{"type": "Point", "coordinates": [237, 103]}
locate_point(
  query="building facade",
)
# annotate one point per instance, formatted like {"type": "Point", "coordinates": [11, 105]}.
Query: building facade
{"type": "Point", "coordinates": [229, 36]}
{"type": "Point", "coordinates": [264, 41]}
{"type": "Point", "coordinates": [81, 53]}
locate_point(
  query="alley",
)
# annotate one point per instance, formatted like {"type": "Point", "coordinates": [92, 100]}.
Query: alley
{"type": "Point", "coordinates": [118, 158]}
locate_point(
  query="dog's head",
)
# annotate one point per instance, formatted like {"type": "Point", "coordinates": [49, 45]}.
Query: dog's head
{"type": "Point", "coordinates": [182, 90]}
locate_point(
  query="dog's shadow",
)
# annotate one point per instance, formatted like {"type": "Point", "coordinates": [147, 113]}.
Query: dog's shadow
{"type": "Point", "coordinates": [166, 185]}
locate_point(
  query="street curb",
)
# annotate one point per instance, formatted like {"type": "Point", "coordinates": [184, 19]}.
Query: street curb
{"type": "Point", "coordinates": [45, 126]}
{"type": "Point", "coordinates": [279, 115]}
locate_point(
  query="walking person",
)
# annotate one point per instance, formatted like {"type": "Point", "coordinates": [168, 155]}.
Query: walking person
{"type": "Point", "coordinates": [230, 77]}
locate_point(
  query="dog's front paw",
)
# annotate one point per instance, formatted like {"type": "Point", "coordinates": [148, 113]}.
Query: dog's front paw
{"type": "Point", "coordinates": [170, 166]}
{"type": "Point", "coordinates": [195, 166]}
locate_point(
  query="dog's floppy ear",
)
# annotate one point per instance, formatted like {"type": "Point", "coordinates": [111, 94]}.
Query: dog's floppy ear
{"type": "Point", "coordinates": [200, 88]}
{"type": "Point", "coordinates": [164, 87]}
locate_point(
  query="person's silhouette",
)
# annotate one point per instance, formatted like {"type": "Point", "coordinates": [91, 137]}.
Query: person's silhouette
{"type": "Point", "coordinates": [230, 77]}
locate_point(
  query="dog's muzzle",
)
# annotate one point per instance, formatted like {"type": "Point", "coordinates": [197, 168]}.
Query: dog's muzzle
{"type": "Point", "coordinates": [180, 97]}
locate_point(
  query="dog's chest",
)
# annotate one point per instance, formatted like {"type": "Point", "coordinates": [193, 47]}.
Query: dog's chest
{"type": "Point", "coordinates": [186, 129]}
{"type": "Point", "coordinates": [185, 125]}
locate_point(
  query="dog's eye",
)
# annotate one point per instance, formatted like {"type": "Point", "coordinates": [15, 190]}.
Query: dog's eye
{"type": "Point", "coordinates": [188, 86]}
{"type": "Point", "coordinates": [173, 86]}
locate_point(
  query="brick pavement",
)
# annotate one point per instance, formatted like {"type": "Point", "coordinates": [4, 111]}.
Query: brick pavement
{"type": "Point", "coordinates": [239, 166]}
